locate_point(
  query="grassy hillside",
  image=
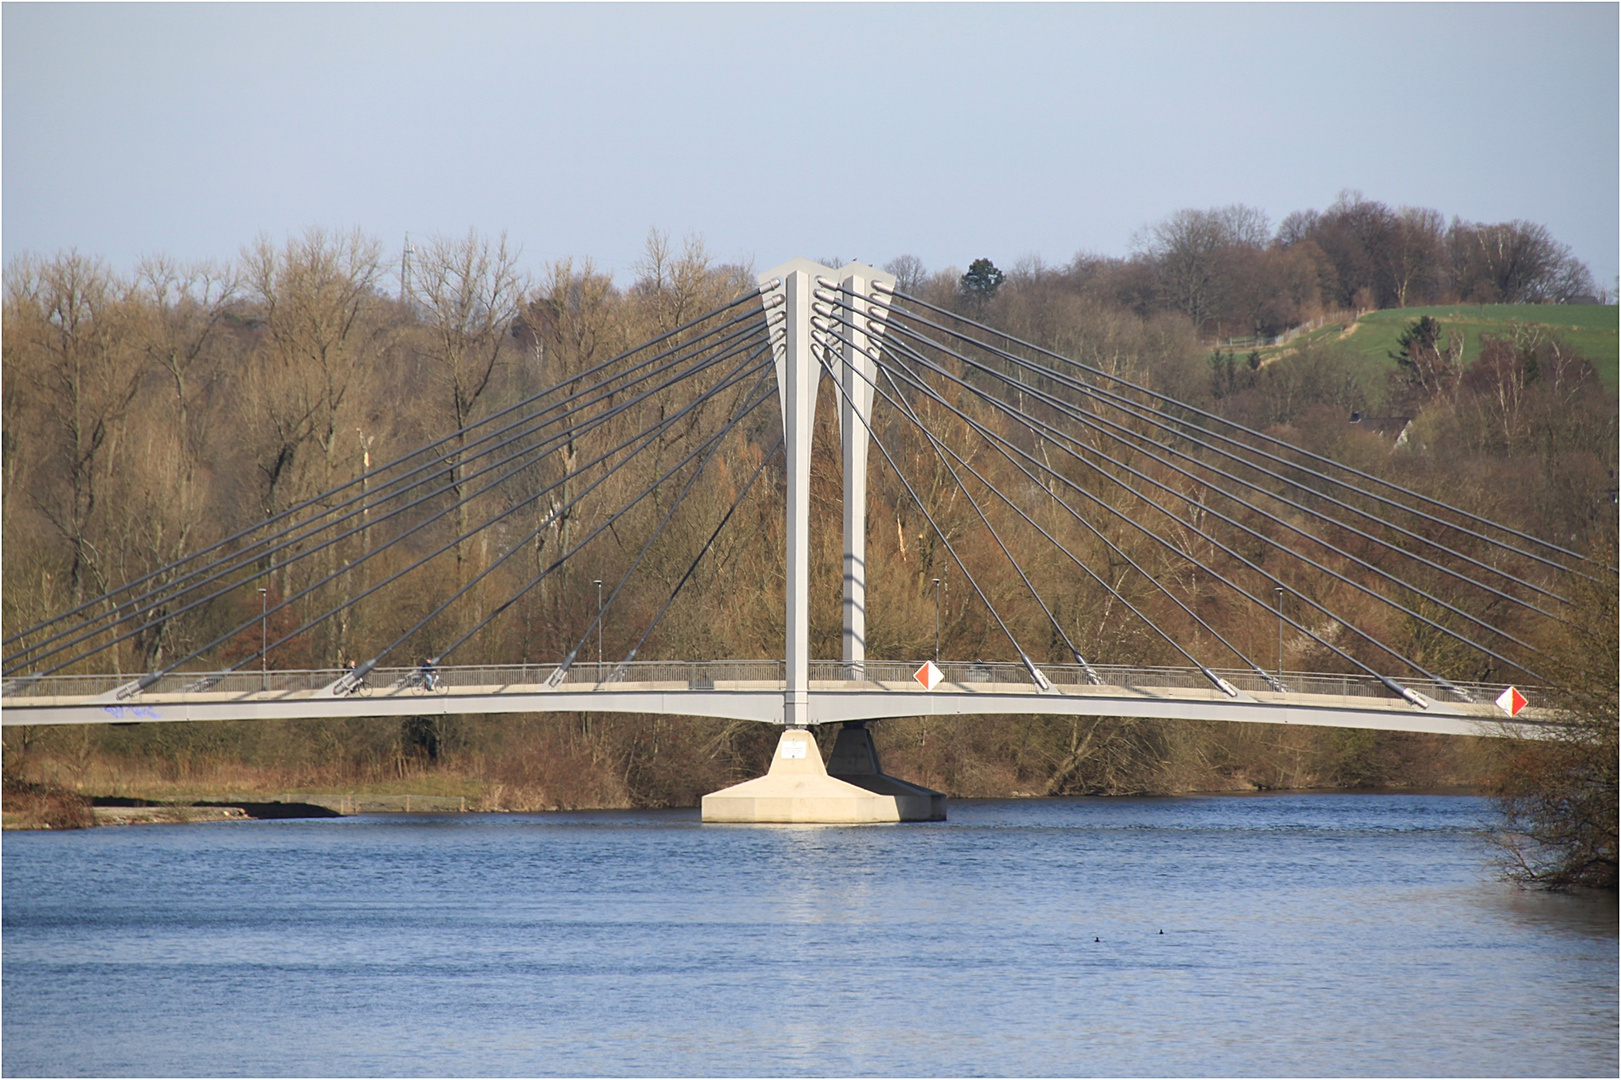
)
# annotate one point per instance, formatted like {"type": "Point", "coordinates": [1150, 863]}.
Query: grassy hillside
{"type": "Point", "coordinates": [1594, 330]}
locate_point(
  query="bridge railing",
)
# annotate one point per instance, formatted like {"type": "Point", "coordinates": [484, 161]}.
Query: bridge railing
{"type": "Point", "coordinates": [712, 674]}
{"type": "Point", "coordinates": [696, 674]}
{"type": "Point", "coordinates": [77, 687]}
{"type": "Point", "coordinates": [899, 675]}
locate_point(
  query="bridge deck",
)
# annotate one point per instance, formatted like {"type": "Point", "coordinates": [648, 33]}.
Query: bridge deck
{"type": "Point", "coordinates": [1319, 700]}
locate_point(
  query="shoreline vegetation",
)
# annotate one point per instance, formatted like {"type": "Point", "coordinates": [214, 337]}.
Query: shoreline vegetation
{"type": "Point", "coordinates": [79, 777]}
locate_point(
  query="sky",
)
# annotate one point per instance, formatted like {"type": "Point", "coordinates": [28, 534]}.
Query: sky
{"type": "Point", "coordinates": [948, 132]}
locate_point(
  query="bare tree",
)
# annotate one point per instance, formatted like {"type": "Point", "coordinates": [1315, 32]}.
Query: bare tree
{"type": "Point", "coordinates": [1356, 234]}
{"type": "Point", "coordinates": [312, 294]}
{"type": "Point", "coordinates": [1297, 227]}
{"type": "Point", "coordinates": [672, 288]}
{"type": "Point", "coordinates": [181, 308]}
{"type": "Point", "coordinates": [1558, 796]}
{"type": "Point", "coordinates": [1186, 250]}
{"type": "Point", "coordinates": [1416, 255]}
{"type": "Point", "coordinates": [318, 308]}
{"type": "Point", "coordinates": [470, 293]}
{"type": "Point", "coordinates": [66, 337]}
{"type": "Point", "coordinates": [909, 273]}
{"type": "Point", "coordinates": [1515, 262]}
{"type": "Point", "coordinates": [176, 314]}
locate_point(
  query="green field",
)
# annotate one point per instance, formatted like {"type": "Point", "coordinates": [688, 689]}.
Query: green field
{"type": "Point", "coordinates": [1594, 330]}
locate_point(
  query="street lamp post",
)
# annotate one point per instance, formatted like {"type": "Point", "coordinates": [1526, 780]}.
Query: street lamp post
{"type": "Point", "coordinates": [365, 470]}
{"type": "Point", "coordinates": [264, 640]}
{"type": "Point", "coordinates": [1280, 631]}
{"type": "Point", "coordinates": [598, 583]}
{"type": "Point", "coordinates": [936, 620]}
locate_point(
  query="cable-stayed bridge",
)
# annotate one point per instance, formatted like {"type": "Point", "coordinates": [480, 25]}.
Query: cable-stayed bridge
{"type": "Point", "coordinates": [753, 690]}
{"type": "Point", "coordinates": [1149, 504]}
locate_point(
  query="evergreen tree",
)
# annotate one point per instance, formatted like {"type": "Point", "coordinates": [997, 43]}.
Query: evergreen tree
{"type": "Point", "coordinates": [982, 280]}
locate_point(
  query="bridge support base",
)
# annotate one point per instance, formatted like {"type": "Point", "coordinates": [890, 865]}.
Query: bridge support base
{"type": "Point", "coordinates": [799, 790]}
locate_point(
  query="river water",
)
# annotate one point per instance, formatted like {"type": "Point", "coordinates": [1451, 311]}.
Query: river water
{"type": "Point", "coordinates": [1318, 934]}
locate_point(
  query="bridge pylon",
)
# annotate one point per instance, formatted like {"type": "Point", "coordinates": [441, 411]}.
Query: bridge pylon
{"type": "Point", "coordinates": [797, 788]}
{"type": "Point", "coordinates": [790, 289]}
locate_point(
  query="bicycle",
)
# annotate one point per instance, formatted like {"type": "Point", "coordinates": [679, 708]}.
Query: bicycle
{"type": "Point", "coordinates": [354, 686]}
{"type": "Point", "coordinates": [423, 682]}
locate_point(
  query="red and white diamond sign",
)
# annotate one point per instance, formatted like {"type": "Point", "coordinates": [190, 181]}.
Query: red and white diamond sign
{"type": "Point", "coordinates": [1511, 701]}
{"type": "Point", "coordinates": [928, 675]}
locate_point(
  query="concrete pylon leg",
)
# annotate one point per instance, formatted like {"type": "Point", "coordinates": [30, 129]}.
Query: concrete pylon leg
{"type": "Point", "coordinates": [797, 389]}
{"type": "Point", "coordinates": [798, 790]}
{"type": "Point", "coordinates": [855, 410]}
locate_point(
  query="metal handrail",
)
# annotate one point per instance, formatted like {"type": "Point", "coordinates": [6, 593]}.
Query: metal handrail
{"type": "Point", "coordinates": [891, 675]}
{"type": "Point", "coordinates": [884, 672]}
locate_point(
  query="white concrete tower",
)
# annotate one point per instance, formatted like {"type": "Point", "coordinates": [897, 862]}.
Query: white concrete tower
{"type": "Point", "coordinates": [858, 323]}
{"type": "Point", "coordinates": [797, 372]}
{"type": "Point", "coordinates": [799, 787]}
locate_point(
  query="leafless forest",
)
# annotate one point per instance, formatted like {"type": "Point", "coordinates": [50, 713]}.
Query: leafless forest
{"type": "Point", "coordinates": [150, 414]}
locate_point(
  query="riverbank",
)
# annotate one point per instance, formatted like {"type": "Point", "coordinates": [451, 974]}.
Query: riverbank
{"type": "Point", "coordinates": [222, 807]}
{"type": "Point", "coordinates": [627, 762]}
{"type": "Point", "coordinates": [61, 776]}
{"type": "Point", "coordinates": [166, 815]}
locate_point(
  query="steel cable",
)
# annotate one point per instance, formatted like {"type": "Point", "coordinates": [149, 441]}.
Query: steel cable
{"type": "Point", "coordinates": [537, 450]}
{"type": "Point", "coordinates": [1171, 640]}
{"type": "Point", "coordinates": [1066, 410]}
{"type": "Point", "coordinates": [1258, 535]}
{"type": "Point", "coordinates": [646, 437]}
{"type": "Point", "coordinates": [241, 558]}
{"type": "Point", "coordinates": [1401, 691]}
{"type": "Point", "coordinates": [1132, 410]}
{"type": "Point", "coordinates": [714, 444]}
{"type": "Point", "coordinates": [1124, 404]}
{"type": "Point", "coordinates": [1279, 442]}
{"type": "Point", "coordinates": [1035, 676]}
{"type": "Point", "coordinates": [1094, 423]}
{"type": "Point", "coordinates": [604, 526]}
{"type": "Point", "coordinates": [313, 500]}
{"type": "Point", "coordinates": [594, 422]}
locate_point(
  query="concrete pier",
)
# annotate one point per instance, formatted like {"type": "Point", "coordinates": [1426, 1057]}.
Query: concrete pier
{"type": "Point", "coordinates": [798, 788]}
